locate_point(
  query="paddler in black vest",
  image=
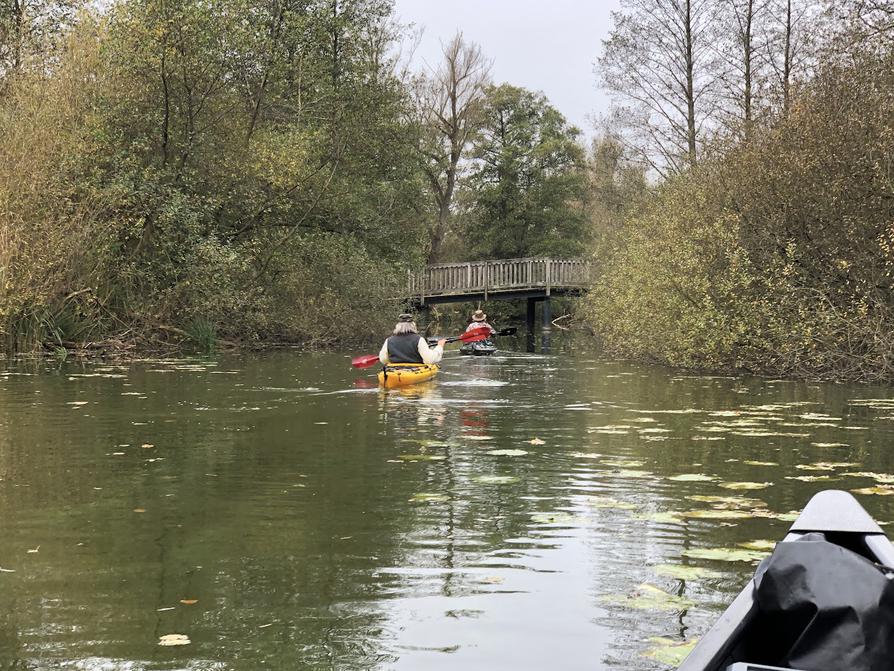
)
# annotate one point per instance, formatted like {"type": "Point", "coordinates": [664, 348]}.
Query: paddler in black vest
{"type": "Point", "coordinates": [406, 345]}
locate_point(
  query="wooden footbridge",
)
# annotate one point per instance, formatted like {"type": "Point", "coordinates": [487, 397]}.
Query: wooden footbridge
{"type": "Point", "coordinates": [535, 279]}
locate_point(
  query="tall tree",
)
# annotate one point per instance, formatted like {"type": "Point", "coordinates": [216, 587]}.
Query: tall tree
{"type": "Point", "coordinates": [31, 30]}
{"type": "Point", "coordinates": [449, 103]}
{"type": "Point", "coordinates": [745, 60]}
{"type": "Point", "coordinates": [528, 188]}
{"type": "Point", "coordinates": [656, 62]}
{"type": "Point", "coordinates": [794, 29]}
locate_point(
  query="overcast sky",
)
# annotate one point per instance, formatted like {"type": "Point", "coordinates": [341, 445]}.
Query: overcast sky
{"type": "Point", "coordinates": [543, 45]}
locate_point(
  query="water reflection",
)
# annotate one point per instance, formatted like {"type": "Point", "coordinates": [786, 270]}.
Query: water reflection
{"type": "Point", "coordinates": [519, 511]}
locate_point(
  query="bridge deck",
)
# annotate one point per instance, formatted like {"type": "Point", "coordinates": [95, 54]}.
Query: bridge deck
{"type": "Point", "coordinates": [534, 277]}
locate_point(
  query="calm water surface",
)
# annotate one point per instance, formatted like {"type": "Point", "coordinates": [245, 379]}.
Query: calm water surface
{"type": "Point", "coordinates": [522, 512]}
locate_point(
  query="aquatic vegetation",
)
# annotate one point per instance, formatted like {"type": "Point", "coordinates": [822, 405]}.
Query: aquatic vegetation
{"type": "Point", "coordinates": [725, 554]}
{"type": "Point", "coordinates": [692, 477]}
{"type": "Point", "coordinates": [669, 651]}
{"type": "Point", "coordinates": [681, 572]}
{"type": "Point", "coordinates": [429, 497]}
{"type": "Point", "coordinates": [717, 514]}
{"type": "Point", "coordinates": [648, 597]}
{"type": "Point", "coordinates": [745, 485]}
{"type": "Point", "coordinates": [496, 479]}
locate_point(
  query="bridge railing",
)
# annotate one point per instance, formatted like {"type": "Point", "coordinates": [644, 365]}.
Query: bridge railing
{"type": "Point", "coordinates": [499, 275]}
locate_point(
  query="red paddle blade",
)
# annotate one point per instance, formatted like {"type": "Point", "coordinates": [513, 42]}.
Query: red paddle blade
{"type": "Point", "coordinates": [365, 361]}
{"type": "Point", "coordinates": [475, 334]}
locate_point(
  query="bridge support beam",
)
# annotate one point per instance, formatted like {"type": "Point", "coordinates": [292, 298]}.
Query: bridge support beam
{"type": "Point", "coordinates": [529, 323]}
{"type": "Point", "coordinates": [546, 315]}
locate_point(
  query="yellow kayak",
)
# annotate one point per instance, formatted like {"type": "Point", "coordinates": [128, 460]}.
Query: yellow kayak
{"type": "Point", "coordinates": [402, 374]}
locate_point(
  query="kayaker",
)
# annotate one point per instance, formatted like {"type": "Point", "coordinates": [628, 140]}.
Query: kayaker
{"type": "Point", "coordinates": [479, 320]}
{"type": "Point", "coordinates": [405, 345]}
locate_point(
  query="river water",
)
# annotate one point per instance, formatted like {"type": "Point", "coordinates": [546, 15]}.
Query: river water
{"type": "Point", "coordinates": [521, 512]}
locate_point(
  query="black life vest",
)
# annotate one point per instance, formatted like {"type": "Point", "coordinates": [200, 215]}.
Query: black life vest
{"type": "Point", "coordinates": [404, 348]}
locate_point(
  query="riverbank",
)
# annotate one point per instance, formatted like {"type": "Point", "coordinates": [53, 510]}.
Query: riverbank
{"type": "Point", "coordinates": [774, 257]}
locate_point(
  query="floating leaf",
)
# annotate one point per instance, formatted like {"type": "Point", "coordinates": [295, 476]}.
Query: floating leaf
{"type": "Point", "coordinates": [760, 463]}
{"type": "Point", "coordinates": [174, 639]}
{"type": "Point", "coordinates": [878, 490]}
{"type": "Point", "coordinates": [725, 554]}
{"type": "Point", "coordinates": [648, 597]}
{"type": "Point", "coordinates": [666, 517]}
{"type": "Point", "coordinates": [830, 444]}
{"type": "Point", "coordinates": [507, 453]}
{"type": "Point", "coordinates": [628, 473]}
{"type": "Point", "coordinates": [623, 463]}
{"type": "Point", "coordinates": [692, 477]}
{"type": "Point", "coordinates": [760, 546]}
{"type": "Point", "coordinates": [496, 479]}
{"type": "Point", "coordinates": [428, 497]}
{"type": "Point", "coordinates": [471, 437]}
{"type": "Point", "coordinates": [537, 441]}
{"type": "Point", "coordinates": [745, 485]}
{"type": "Point", "coordinates": [189, 602]}
{"type": "Point", "coordinates": [735, 501]}
{"type": "Point", "coordinates": [595, 501]}
{"type": "Point", "coordinates": [552, 518]}
{"type": "Point", "coordinates": [884, 478]}
{"type": "Point", "coordinates": [681, 572]}
{"type": "Point", "coordinates": [668, 651]}
{"type": "Point", "coordinates": [718, 514]}
{"type": "Point", "coordinates": [808, 478]}
{"type": "Point", "coordinates": [421, 457]}
{"type": "Point", "coordinates": [139, 510]}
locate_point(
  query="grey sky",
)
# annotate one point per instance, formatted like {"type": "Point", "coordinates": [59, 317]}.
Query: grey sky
{"type": "Point", "coordinates": [543, 45]}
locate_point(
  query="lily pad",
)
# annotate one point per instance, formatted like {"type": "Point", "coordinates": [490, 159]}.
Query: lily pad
{"type": "Point", "coordinates": [496, 479]}
{"type": "Point", "coordinates": [725, 554]}
{"type": "Point", "coordinates": [692, 477]}
{"type": "Point", "coordinates": [669, 651]}
{"type": "Point", "coordinates": [559, 517]}
{"type": "Point", "coordinates": [623, 463]}
{"type": "Point", "coordinates": [734, 501]}
{"type": "Point", "coordinates": [429, 497]}
{"type": "Point", "coordinates": [681, 572]}
{"type": "Point", "coordinates": [745, 485]}
{"type": "Point", "coordinates": [878, 490]}
{"type": "Point", "coordinates": [174, 639]}
{"type": "Point", "coordinates": [507, 453]}
{"type": "Point", "coordinates": [759, 546]}
{"type": "Point", "coordinates": [666, 517]}
{"type": "Point", "coordinates": [629, 473]}
{"type": "Point", "coordinates": [536, 441]}
{"type": "Point", "coordinates": [648, 597]}
{"type": "Point", "coordinates": [760, 463]}
{"type": "Point", "coordinates": [718, 514]}
{"type": "Point", "coordinates": [595, 501]}
{"type": "Point", "coordinates": [808, 478]}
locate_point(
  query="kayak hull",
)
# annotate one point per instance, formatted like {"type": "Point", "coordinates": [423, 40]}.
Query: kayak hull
{"type": "Point", "coordinates": [404, 374]}
{"type": "Point", "coordinates": [482, 348]}
{"type": "Point", "coordinates": [836, 515]}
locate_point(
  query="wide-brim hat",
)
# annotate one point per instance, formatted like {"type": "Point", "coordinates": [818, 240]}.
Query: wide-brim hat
{"type": "Point", "coordinates": [479, 316]}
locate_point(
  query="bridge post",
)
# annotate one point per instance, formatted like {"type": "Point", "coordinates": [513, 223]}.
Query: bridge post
{"type": "Point", "coordinates": [546, 315]}
{"type": "Point", "coordinates": [529, 323]}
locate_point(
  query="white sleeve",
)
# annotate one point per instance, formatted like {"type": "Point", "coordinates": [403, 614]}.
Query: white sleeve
{"type": "Point", "coordinates": [429, 354]}
{"type": "Point", "coordinates": [383, 353]}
